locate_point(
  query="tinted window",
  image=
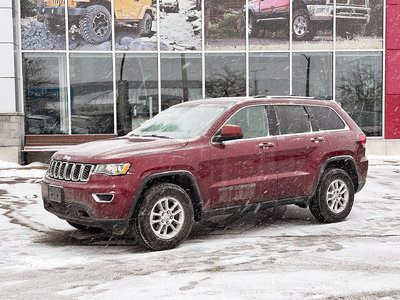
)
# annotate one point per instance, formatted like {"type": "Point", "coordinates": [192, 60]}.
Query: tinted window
{"type": "Point", "coordinates": [326, 118]}
{"type": "Point", "coordinates": [252, 120]}
{"type": "Point", "coordinates": [292, 119]}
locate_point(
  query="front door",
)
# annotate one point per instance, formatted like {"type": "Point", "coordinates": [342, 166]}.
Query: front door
{"type": "Point", "coordinates": [244, 170]}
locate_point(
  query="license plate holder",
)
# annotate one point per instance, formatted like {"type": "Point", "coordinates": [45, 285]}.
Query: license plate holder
{"type": "Point", "coordinates": [56, 194]}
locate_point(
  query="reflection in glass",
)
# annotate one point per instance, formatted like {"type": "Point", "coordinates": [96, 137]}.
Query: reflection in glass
{"type": "Point", "coordinates": [224, 24]}
{"type": "Point", "coordinates": [181, 78]}
{"type": "Point", "coordinates": [359, 88]}
{"type": "Point", "coordinates": [312, 74]}
{"type": "Point", "coordinates": [312, 25]}
{"type": "Point", "coordinates": [42, 25]}
{"type": "Point", "coordinates": [137, 90]}
{"type": "Point", "coordinates": [268, 25]}
{"type": "Point", "coordinates": [225, 75]}
{"type": "Point", "coordinates": [359, 24]}
{"type": "Point", "coordinates": [45, 89]}
{"type": "Point", "coordinates": [180, 24]}
{"type": "Point", "coordinates": [269, 74]}
{"type": "Point", "coordinates": [92, 105]}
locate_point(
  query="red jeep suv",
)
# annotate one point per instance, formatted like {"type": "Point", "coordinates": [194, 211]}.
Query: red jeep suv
{"type": "Point", "coordinates": [210, 156]}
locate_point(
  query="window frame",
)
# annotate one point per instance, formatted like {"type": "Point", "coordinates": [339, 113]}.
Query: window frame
{"type": "Point", "coordinates": [243, 139]}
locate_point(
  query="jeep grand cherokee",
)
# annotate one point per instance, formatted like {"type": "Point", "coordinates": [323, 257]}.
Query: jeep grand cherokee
{"type": "Point", "coordinates": [204, 157]}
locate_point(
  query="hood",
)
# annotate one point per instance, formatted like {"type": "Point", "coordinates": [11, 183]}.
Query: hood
{"type": "Point", "coordinates": [117, 149]}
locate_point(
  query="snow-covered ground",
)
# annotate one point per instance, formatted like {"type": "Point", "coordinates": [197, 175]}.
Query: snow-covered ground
{"type": "Point", "coordinates": [229, 257]}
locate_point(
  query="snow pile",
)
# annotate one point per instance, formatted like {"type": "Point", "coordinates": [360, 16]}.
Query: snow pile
{"type": "Point", "coordinates": [11, 165]}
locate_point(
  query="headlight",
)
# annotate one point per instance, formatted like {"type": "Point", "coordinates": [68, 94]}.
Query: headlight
{"type": "Point", "coordinates": [112, 169]}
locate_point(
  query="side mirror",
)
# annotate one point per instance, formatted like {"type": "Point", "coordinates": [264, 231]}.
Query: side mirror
{"type": "Point", "coordinates": [228, 133]}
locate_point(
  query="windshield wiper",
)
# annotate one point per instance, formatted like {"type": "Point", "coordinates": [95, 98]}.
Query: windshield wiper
{"type": "Point", "coordinates": [156, 135]}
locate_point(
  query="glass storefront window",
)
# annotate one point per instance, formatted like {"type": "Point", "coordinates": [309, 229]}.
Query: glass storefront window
{"type": "Point", "coordinates": [359, 24]}
{"type": "Point", "coordinates": [181, 25]}
{"type": "Point", "coordinates": [312, 74]}
{"type": "Point", "coordinates": [39, 32]}
{"type": "Point", "coordinates": [225, 24]}
{"type": "Point", "coordinates": [312, 25]}
{"type": "Point", "coordinates": [269, 74]}
{"type": "Point", "coordinates": [181, 78]}
{"type": "Point", "coordinates": [184, 38]}
{"type": "Point", "coordinates": [225, 74]}
{"type": "Point", "coordinates": [92, 102]}
{"type": "Point", "coordinates": [359, 88]}
{"type": "Point", "coordinates": [45, 91]}
{"type": "Point", "coordinates": [135, 25]}
{"type": "Point", "coordinates": [137, 89]}
{"type": "Point", "coordinates": [268, 26]}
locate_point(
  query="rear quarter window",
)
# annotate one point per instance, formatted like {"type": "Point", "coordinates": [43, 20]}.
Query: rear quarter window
{"type": "Point", "coordinates": [292, 119]}
{"type": "Point", "coordinates": [326, 118]}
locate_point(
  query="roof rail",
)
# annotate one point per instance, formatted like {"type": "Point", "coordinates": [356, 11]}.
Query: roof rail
{"type": "Point", "coordinates": [292, 97]}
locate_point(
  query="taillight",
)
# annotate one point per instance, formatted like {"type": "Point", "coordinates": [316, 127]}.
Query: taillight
{"type": "Point", "coordinates": [363, 138]}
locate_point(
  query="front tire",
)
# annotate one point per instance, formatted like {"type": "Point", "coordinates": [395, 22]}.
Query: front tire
{"type": "Point", "coordinates": [164, 218]}
{"type": "Point", "coordinates": [145, 25]}
{"type": "Point", "coordinates": [302, 28]}
{"type": "Point", "coordinates": [253, 28]}
{"type": "Point", "coordinates": [334, 198]}
{"type": "Point", "coordinates": [95, 25]}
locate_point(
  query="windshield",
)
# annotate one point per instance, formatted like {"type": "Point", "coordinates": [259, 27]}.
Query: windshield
{"type": "Point", "coordinates": [181, 122]}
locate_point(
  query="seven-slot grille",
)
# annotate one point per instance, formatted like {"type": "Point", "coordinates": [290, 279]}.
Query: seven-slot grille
{"type": "Point", "coordinates": [63, 170]}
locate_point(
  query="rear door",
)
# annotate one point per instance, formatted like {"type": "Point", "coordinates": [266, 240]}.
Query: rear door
{"type": "Point", "coordinates": [301, 151]}
{"type": "Point", "coordinates": [244, 170]}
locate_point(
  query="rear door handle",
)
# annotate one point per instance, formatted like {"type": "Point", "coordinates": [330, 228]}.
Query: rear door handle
{"type": "Point", "coordinates": [317, 140]}
{"type": "Point", "coordinates": [266, 145]}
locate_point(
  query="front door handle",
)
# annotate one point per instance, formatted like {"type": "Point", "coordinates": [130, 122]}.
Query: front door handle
{"type": "Point", "coordinates": [317, 140]}
{"type": "Point", "coordinates": [266, 145]}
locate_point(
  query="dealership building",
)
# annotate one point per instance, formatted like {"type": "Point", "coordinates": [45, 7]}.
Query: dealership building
{"type": "Point", "coordinates": [61, 87]}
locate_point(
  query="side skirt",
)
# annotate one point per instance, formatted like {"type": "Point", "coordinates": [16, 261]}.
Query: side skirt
{"type": "Point", "coordinates": [300, 201]}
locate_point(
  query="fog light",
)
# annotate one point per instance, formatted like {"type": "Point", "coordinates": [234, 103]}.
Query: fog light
{"type": "Point", "coordinates": [103, 198]}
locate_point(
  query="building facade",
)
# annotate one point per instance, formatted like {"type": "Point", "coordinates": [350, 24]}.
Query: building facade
{"type": "Point", "coordinates": [80, 70]}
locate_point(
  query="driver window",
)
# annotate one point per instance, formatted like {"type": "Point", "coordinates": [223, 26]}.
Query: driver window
{"type": "Point", "coordinates": [252, 120]}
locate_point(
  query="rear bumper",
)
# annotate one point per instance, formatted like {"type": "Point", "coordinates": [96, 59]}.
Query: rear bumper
{"type": "Point", "coordinates": [362, 173]}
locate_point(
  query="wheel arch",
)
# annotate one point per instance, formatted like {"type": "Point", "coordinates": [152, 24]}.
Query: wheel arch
{"type": "Point", "coordinates": [343, 162]}
{"type": "Point", "coordinates": [182, 178]}
{"type": "Point", "coordinates": [299, 4]}
{"type": "Point", "coordinates": [105, 3]}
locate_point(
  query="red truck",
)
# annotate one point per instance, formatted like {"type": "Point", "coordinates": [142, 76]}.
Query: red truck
{"type": "Point", "coordinates": [205, 157]}
{"type": "Point", "coordinates": [308, 16]}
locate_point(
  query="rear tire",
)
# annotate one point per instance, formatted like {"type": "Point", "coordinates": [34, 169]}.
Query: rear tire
{"type": "Point", "coordinates": [145, 25]}
{"type": "Point", "coordinates": [95, 25]}
{"type": "Point", "coordinates": [334, 198]}
{"type": "Point", "coordinates": [164, 218]}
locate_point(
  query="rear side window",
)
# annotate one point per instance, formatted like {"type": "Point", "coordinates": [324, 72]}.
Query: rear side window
{"type": "Point", "coordinates": [292, 119]}
{"type": "Point", "coordinates": [326, 118]}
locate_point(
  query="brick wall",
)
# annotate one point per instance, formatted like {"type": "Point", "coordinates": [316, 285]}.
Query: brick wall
{"type": "Point", "coordinates": [392, 94]}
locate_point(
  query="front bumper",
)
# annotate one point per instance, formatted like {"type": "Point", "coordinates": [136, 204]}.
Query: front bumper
{"type": "Point", "coordinates": [50, 12]}
{"type": "Point", "coordinates": [78, 204]}
{"type": "Point", "coordinates": [359, 14]}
